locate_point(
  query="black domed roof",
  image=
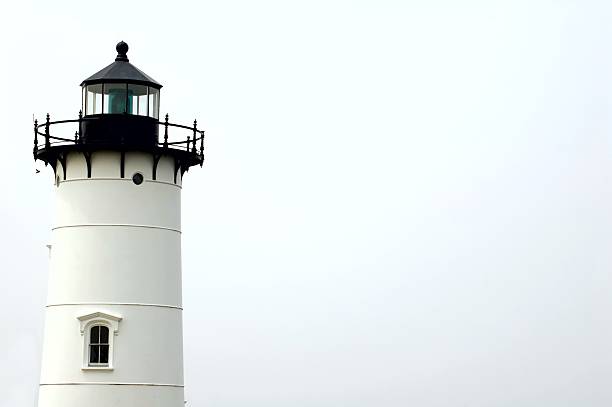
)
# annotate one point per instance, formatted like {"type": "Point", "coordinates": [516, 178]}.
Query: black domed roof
{"type": "Point", "coordinates": [121, 71]}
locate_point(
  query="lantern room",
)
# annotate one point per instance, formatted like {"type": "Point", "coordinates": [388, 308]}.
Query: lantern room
{"type": "Point", "coordinates": [120, 112]}
{"type": "Point", "coordinates": [121, 88]}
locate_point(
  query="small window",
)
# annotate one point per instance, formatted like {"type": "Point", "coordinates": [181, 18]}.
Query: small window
{"type": "Point", "coordinates": [98, 346]}
{"type": "Point", "coordinates": [98, 331]}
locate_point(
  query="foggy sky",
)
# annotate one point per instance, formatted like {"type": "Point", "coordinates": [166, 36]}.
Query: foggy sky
{"type": "Point", "coordinates": [404, 203]}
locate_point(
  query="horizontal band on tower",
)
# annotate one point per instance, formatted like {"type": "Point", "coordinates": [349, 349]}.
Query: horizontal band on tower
{"type": "Point", "coordinates": [129, 225]}
{"type": "Point", "coordinates": [120, 179]}
{"type": "Point", "coordinates": [111, 384]}
{"type": "Point", "coordinates": [114, 303]}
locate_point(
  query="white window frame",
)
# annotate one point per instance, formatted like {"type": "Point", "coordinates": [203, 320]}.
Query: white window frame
{"type": "Point", "coordinates": [101, 319]}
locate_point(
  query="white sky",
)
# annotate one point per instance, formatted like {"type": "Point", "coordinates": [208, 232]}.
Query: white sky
{"type": "Point", "coordinates": [405, 203]}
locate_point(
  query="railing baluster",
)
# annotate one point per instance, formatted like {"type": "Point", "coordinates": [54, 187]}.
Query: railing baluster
{"type": "Point", "coordinates": [166, 132]}
{"type": "Point", "coordinates": [188, 141]}
{"type": "Point", "coordinates": [195, 132]}
{"type": "Point", "coordinates": [80, 132]}
{"type": "Point", "coordinates": [47, 141]}
{"type": "Point", "coordinates": [35, 137]}
{"type": "Point", "coordinates": [202, 149]}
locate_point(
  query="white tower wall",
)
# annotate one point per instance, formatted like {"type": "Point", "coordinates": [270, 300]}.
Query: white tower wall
{"type": "Point", "coordinates": [115, 254]}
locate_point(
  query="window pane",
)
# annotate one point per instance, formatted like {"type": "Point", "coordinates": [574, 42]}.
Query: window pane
{"type": "Point", "coordinates": [94, 99]}
{"type": "Point", "coordinates": [115, 98]}
{"type": "Point", "coordinates": [94, 335]}
{"type": "Point", "coordinates": [103, 334]}
{"type": "Point", "coordinates": [93, 354]}
{"type": "Point", "coordinates": [137, 99]}
{"type": "Point", "coordinates": [143, 102]}
{"type": "Point", "coordinates": [103, 354]}
{"type": "Point", "coordinates": [154, 103]}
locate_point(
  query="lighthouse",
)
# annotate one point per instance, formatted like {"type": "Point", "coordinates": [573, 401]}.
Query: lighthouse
{"type": "Point", "coordinates": [113, 319]}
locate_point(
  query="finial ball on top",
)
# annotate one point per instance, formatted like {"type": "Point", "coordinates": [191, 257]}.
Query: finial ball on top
{"type": "Point", "coordinates": [122, 48]}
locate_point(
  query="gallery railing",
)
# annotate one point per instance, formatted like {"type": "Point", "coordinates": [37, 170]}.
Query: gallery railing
{"type": "Point", "coordinates": [194, 143]}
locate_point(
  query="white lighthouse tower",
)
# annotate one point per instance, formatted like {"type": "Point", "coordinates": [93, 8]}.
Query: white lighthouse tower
{"type": "Point", "coordinates": [113, 324]}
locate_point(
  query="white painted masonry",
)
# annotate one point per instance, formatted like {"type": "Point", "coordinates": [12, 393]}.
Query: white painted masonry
{"type": "Point", "coordinates": [117, 258]}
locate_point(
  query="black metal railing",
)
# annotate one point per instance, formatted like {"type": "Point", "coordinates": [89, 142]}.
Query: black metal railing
{"type": "Point", "coordinates": [194, 143]}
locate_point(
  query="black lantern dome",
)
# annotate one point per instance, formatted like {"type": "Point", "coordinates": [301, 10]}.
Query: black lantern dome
{"type": "Point", "coordinates": [121, 71]}
{"type": "Point", "coordinates": [120, 111]}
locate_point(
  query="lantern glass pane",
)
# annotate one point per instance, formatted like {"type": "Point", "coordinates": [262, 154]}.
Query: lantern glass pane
{"type": "Point", "coordinates": [93, 99]}
{"type": "Point", "coordinates": [154, 103]}
{"type": "Point", "coordinates": [137, 96]}
{"type": "Point", "coordinates": [116, 99]}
